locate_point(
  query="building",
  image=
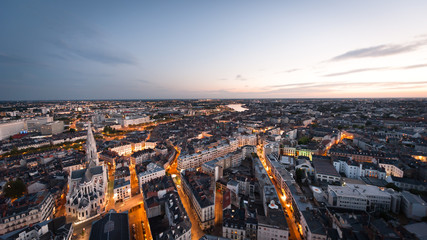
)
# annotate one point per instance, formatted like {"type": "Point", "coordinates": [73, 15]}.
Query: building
{"type": "Point", "coordinates": [313, 227]}
{"type": "Point", "coordinates": [234, 224]}
{"type": "Point", "coordinates": [8, 129]}
{"type": "Point", "coordinates": [88, 186]}
{"type": "Point", "coordinates": [324, 170]}
{"type": "Point", "coordinates": [232, 159]}
{"type": "Point", "coordinates": [356, 170]}
{"type": "Point", "coordinates": [359, 197]}
{"type": "Point", "coordinates": [273, 225]}
{"type": "Point", "coordinates": [123, 149]}
{"type": "Point", "coordinates": [122, 189]}
{"type": "Point", "coordinates": [345, 197]}
{"type": "Point", "coordinates": [407, 183]}
{"type": "Point", "coordinates": [153, 171]}
{"type": "Point", "coordinates": [247, 140]}
{"type": "Point", "coordinates": [35, 124]}
{"type": "Point", "coordinates": [199, 190]}
{"type": "Point", "coordinates": [143, 155]}
{"type": "Point", "coordinates": [179, 223]}
{"type": "Point", "coordinates": [134, 120]}
{"type": "Point", "coordinates": [50, 229]}
{"type": "Point", "coordinates": [392, 168]}
{"type": "Point", "coordinates": [52, 128]}
{"type": "Point", "coordinates": [196, 160]}
{"type": "Point", "coordinates": [153, 193]}
{"type": "Point", "coordinates": [413, 206]}
{"type": "Point", "coordinates": [110, 227]}
{"type": "Point", "coordinates": [26, 210]}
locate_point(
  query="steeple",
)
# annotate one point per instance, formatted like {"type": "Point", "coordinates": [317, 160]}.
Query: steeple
{"type": "Point", "coordinates": [91, 153]}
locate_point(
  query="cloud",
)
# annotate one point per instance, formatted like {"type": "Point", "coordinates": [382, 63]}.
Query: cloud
{"type": "Point", "coordinates": [354, 71]}
{"type": "Point", "coordinates": [380, 51]}
{"type": "Point", "coordinates": [8, 59]}
{"type": "Point", "coordinates": [289, 70]}
{"type": "Point", "coordinates": [323, 87]}
{"type": "Point", "coordinates": [375, 69]}
{"type": "Point", "coordinates": [92, 51]}
{"type": "Point", "coordinates": [414, 66]}
{"type": "Point", "coordinates": [292, 70]}
{"type": "Point", "coordinates": [240, 78]}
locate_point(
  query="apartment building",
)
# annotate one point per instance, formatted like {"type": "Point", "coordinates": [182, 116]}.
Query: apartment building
{"type": "Point", "coordinates": [356, 170]}
{"type": "Point", "coordinates": [153, 171]}
{"type": "Point", "coordinates": [196, 160]}
{"type": "Point", "coordinates": [122, 189]}
{"type": "Point", "coordinates": [198, 188]}
{"type": "Point", "coordinates": [26, 210]}
{"type": "Point", "coordinates": [392, 168]}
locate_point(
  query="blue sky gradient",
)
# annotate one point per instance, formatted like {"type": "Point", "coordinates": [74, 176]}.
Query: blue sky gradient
{"type": "Point", "coordinates": [212, 49]}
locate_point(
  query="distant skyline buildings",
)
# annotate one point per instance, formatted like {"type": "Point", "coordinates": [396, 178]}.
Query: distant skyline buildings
{"type": "Point", "coordinates": [222, 49]}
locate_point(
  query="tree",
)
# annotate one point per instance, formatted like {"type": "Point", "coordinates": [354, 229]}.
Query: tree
{"type": "Point", "coordinates": [15, 189]}
{"type": "Point", "coordinates": [109, 130]}
{"type": "Point", "coordinates": [300, 174]}
{"type": "Point", "coordinates": [72, 130]}
{"type": "Point", "coordinates": [303, 140]}
{"type": "Point", "coordinates": [14, 151]}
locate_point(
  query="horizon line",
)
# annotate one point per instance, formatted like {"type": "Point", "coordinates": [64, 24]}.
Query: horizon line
{"type": "Point", "coordinates": [186, 99]}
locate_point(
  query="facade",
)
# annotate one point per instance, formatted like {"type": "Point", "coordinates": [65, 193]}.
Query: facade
{"type": "Point", "coordinates": [27, 210]}
{"type": "Point", "coordinates": [52, 128]}
{"type": "Point", "coordinates": [356, 170]}
{"type": "Point", "coordinates": [407, 183]}
{"type": "Point", "coordinates": [43, 230]}
{"type": "Point", "coordinates": [153, 171]}
{"type": "Point", "coordinates": [196, 185]}
{"type": "Point", "coordinates": [143, 155]}
{"type": "Point", "coordinates": [232, 159]}
{"type": "Point", "coordinates": [234, 226]}
{"type": "Point", "coordinates": [8, 129]}
{"type": "Point", "coordinates": [359, 197]}
{"type": "Point", "coordinates": [247, 140]}
{"type": "Point", "coordinates": [273, 226]}
{"type": "Point", "coordinates": [134, 120]}
{"type": "Point", "coordinates": [324, 170]}
{"type": "Point", "coordinates": [312, 226]}
{"type": "Point", "coordinates": [392, 169]}
{"type": "Point", "coordinates": [122, 189]}
{"type": "Point", "coordinates": [197, 159]}
{"type": "Point", "coordinates": [179, 222]}
{"type": "Point", "coordinates": [413, 206]}
{"type": "Point", "coordinates": [345, 197]}
{"type": "Point", "coordinates": [125, 149]}
{"type": "Point", "coordinates": [87, 187]}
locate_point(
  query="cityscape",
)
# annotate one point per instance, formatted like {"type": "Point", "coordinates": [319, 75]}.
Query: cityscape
{"type": "Point", "coordinates": [197, 120]}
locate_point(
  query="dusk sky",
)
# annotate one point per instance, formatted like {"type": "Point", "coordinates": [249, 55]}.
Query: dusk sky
{"type": "Point", "coordinates": [212, 49]}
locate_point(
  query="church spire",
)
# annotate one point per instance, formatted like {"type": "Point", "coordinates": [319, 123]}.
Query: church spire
{"type": "Point", "coordinates": [91, 153]}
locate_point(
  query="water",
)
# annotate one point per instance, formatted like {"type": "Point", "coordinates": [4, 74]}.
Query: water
{"type": "Point", "coordinates": [237, 107]}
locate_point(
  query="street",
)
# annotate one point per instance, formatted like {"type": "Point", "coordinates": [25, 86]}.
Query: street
{"type": "Point", "coordinates": [218, 213]}
{"type": "Point", "coordinates": [290, 218]}
{"type": "Point", "coordinates": [196, 231]}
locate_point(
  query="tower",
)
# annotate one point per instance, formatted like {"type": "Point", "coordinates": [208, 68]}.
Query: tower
{"type": "Point", "coordinates": [91, 153]}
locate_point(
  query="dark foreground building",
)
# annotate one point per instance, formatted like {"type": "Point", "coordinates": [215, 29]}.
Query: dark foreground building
{"type": "Point", "coordinates": [111, 226]}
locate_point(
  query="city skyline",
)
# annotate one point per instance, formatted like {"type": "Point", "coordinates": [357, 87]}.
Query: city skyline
{"type": "Point", "coordinates": [241, 49]}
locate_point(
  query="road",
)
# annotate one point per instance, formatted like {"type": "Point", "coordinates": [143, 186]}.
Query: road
{"type": "Point", "coordinates": [218, 213]}
{"type": "Point", "coordinates": [140, 214]}
{"type": "Point", "coordinates": [196, 231]}
{"type": "Point", "coordinates": [290, 218]}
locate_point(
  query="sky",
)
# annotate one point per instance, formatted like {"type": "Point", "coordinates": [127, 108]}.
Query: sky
{"type": "Point", "coordinates": [64, 50]}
